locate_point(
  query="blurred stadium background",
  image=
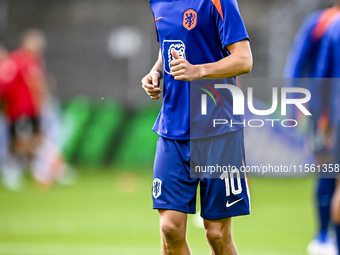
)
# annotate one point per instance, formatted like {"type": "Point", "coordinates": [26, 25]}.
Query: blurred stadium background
{"type": "Point", "coordinates": [97, 53]}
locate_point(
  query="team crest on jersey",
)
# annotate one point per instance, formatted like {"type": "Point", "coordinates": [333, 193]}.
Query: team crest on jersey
{"type": "Point", "coordinates": [156, 188]}
{"type": "Point", "coordinates": [172, 45]}
{"type": "Point", "coordinates": [190, 19]}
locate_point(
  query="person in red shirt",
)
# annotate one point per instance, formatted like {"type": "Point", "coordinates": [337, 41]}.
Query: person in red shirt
{"type": "Point", "coordinates": [22, 90]}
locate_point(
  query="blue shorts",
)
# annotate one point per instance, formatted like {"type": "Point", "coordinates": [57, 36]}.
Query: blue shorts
{"type": "Point", "coordinates": [174, 189]}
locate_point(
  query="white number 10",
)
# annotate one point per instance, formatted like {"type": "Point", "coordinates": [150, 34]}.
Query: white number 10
{"type": "Point", "coordinates": [229, 178]}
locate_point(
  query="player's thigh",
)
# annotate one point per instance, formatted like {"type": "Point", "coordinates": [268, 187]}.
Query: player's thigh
{"type": "Point", "coordinates": [227, 194]}
{"type": "Point", "coordinates": [224, 198]}
{"type": "Point", "coordinates": [173, 189]}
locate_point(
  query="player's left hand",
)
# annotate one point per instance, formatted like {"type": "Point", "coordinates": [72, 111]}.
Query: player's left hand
{"type": "Point", "coordinates": [182, 70]}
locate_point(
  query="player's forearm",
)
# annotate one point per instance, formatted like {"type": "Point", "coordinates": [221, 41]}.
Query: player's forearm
{"type": "Point", "coordinates": [239, 62]}
{"type": "Point", "coordinates": [231, 66]}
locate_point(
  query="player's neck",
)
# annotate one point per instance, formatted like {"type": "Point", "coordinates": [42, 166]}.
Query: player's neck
{"type": "Point", "coordinates": [29, 52]}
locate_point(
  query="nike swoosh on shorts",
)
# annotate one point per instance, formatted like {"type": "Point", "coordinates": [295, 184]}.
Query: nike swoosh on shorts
{"type": "Point", "coordinates": [231, 204]}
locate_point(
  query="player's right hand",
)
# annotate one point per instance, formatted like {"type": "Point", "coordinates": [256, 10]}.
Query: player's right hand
{"type": "Point", "coordinates": [150, 84]}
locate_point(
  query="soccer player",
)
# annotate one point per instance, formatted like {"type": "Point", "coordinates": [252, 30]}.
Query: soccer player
{"type": "Point", "coordinates": [329, 67]}
{"type": "Point", "coordinates": [302, 63]}
{"type": "Point", "coordinates": [198, 39]}
{"type": "Point", "coordinates": [22, 91]}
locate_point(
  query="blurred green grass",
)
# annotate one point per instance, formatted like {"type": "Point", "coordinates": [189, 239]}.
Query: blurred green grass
{"type": "Point", "coordinates": [110, 212]}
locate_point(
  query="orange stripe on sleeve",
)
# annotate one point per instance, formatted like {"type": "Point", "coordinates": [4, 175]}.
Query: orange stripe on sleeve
{"type": "Point", "coordinates": [218, 6]}
{"type": "Point", "coordinates": [325, 21]}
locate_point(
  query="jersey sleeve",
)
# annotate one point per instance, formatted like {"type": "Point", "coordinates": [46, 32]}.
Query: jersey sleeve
{"type": "Point", "coordinates": [228, 20]}
{"type": "Point", "coordinates": [325, 59]}
{"type": "Point", "coordinates": [153, 15]}
{"type": "Point", "coordinates": [329, 68]}
{"type": "Point", "coordinates": [302, 50]}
